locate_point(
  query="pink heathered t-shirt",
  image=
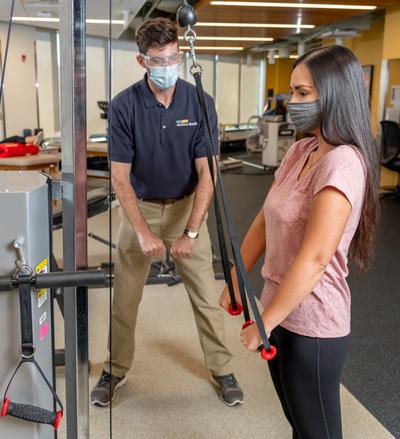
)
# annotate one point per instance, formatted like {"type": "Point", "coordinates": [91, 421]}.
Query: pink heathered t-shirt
{"type": "Point", "coordinates": [326, 311]}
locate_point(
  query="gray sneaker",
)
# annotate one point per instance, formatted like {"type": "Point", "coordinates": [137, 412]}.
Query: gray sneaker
{"type": "Point", "coordinates": [104, 391]}
{"type": "Point", "coordinates": [229, 390]}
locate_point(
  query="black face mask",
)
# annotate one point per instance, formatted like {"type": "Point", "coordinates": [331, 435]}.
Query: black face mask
{"type": "Point", "coordinates": [306, 116]}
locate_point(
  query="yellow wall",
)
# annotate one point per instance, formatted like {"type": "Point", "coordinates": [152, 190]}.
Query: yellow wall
{"type": "Point", "coordinates": [391, 51]}
{"type": "Point", "coordinates": [278, 75]}
{"type": "Point", "coordinates": [391, 41]}
{"type": "Point", "coordinates": [368, 48]}
{"type": "Point", "coordinates": [389, 178]}
{"type": "Point", "coordinates": [380, 42]}
{"type": "Point", "coordinates": [394, 78]}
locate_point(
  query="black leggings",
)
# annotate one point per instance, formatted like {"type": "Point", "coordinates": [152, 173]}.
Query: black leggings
{"type": "Point", "coordinates": [306, 375]}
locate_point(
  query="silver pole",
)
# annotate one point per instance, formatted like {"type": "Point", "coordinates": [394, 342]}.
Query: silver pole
{"type": "Point", "coordinates": [215, 85]}
{"type": "Point", "coordinates": [36, 86]}
{"type": "Point", "coordinates": [73, 130]}
{"type": "Point", "coordinates": [2, 107]}
{"type": "Point", "coordinates": [56, 79]}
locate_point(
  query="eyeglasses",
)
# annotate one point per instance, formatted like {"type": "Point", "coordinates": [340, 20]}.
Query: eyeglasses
{"type": "Point", "coordinates": [159, 61]}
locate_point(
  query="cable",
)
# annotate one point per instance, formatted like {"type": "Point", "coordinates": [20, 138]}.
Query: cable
{"type": "Point", "coordinates": [110, 248]}
{"type": "Point", "coordinates": [3, 67]}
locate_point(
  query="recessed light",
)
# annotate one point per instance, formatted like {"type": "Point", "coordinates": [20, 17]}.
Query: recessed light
{"type": "Point", "coordinates": [257, 25]}
{"type": "Point", "coordinates": [232, 39]}
{"type": "Point", "coordinates": [38, 19]}
{"type": "Point", "coordinates": [290, 56]}
{"type": "Point", "coordinates": [292, 5]}
{"type": "Point", "coordinates": [232, 49]}
{"type": "Point", "coordinates": [103, 21]}
{"type": "Point", "coordinates": [57, 20]}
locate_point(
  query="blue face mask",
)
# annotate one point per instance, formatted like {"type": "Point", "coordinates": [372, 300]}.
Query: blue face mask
{"type": "Point", "coordinates": [164, 77]}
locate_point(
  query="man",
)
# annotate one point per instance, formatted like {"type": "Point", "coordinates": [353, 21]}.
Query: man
{"type": "Point", "coordinates": [161, 176]}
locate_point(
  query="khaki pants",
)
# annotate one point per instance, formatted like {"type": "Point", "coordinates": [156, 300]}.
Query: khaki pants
{"type": "Point", "coordinates": [132, 268]}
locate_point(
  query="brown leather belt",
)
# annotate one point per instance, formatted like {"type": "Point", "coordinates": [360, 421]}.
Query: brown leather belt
{"type": "Point", "coordinates": [162, 200]}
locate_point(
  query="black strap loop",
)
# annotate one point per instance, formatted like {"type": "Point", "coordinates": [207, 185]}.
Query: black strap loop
{"type": "Point", "coordinates": [244, 287]}
{"type": "Point", "coordinates": [24, 411]}
{"type": "Point", "coordinates": [211, 153]}
{"type": "Point", "coordinates": [25, 304]}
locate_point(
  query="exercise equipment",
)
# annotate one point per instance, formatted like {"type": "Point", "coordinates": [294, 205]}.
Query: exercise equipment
{"type": "Point", "coordinates": [26, 243]}
{"type": "Point", "coordinates": [186, 17]}
{"type": "Point", "coordinates": [276, 138]}
{"type": "Point", "coordinates": [26, 265]}
{"type": "Point", "coordinates": [28, 385]}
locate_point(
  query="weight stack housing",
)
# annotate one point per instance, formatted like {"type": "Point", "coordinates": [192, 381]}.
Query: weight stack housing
{"type": "Point", "coordinates": [24, 204]}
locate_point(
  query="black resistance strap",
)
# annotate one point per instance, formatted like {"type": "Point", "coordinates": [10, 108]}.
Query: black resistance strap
{"type": "Point", "coordinates": [25, 411]}
{"type": "Point", "coordinates": [268, 351]}
{"type": "Point", "coordinates": [186, 17]}
{"type": "Point", "coordinates": [234, 308]}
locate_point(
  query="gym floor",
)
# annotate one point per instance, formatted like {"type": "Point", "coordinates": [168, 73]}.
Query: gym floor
{"type": "Point", "coordinates": [168, 394]}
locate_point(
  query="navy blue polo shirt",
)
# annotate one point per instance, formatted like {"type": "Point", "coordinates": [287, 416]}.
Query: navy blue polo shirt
{"type": "Point", "coordinates": [160, 143]}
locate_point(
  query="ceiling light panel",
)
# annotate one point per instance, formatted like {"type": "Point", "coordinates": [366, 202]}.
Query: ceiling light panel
{"type": "Point", "coordinates": [293, 5]}
{"type": "Point", "coordinates": [201, 38]}
{"type": "Point", "coordinates": [256, 25]}
{"type": "Point", "coordinates": [215, 48]}
{"type": "Point", "coordinates": [56, 20]}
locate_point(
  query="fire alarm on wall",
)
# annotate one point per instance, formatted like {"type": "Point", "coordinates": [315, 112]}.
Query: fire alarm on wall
{"type": "Point", "coordinates": [23, 58]}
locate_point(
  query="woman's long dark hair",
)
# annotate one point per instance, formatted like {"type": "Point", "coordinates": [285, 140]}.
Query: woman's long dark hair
{"type": "Point", "coordinates": [338, 77]}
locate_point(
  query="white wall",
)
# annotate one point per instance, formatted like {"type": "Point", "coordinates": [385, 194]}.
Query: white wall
{"type": "Point", "coordinates": [249, 91]}
{"type": "Point", "coordinates": [227, 98]}
{"type": "Point", "coordinates": [207, 64]}
{"type": "Point", "coordinates": [20, 91]}
{"type": "Point", "coordinates": [125, 68]}
{"type": "Point", "coordinates": [19, 83]}
{"type": "Point", "coordinates": [96, 84]}
{"type": "Point", "coordinates": [47, 79]}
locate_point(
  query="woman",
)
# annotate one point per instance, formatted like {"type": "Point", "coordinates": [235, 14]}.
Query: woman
{"type": "Point", "coordinates": [323, 204]}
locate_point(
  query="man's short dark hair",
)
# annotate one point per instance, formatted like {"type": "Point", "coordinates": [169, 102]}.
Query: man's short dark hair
{"type": "Point", "coordinates": [156, 32]}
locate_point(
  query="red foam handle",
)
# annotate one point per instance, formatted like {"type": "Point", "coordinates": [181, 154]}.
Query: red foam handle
{"type": "Point", "coordinates": [268, 355]}
{"type": "Point", "coordinates": [4, 410]}
{"type": "Point", "coordinates": [247, 324]}
{"type": "Point", "coordinates": [58, 419]}
{"type": "Point", "coordinates": [265, 355]}
{"type": "Point", "coordinates": [235, 312]}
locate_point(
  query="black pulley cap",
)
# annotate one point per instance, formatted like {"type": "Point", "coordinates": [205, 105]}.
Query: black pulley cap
{"type": "Point", "coordinates": [186, 15]}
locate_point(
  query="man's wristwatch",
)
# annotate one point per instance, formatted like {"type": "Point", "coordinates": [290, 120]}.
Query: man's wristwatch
{"type": "Point", "coordinates": [191, 233]}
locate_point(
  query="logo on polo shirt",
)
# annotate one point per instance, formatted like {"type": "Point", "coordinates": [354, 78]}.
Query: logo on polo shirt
{"type": "Point", "coordinates": [185, 123]}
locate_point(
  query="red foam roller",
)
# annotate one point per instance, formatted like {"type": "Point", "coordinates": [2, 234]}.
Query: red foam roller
{"type": "Point", "coordinates": [268, 355]}
{"type": "Point", "coordinates": [247, 324]}
{"type": "Point", "coordinates": [4, 410]}
{"type": "Point", "coordinates": [235, 312]}
{"type": "Point", "coordinates": [58, 419]}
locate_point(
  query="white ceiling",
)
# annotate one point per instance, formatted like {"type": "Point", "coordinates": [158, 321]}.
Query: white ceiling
{"type": "Point", "coordinates": [94, 9]}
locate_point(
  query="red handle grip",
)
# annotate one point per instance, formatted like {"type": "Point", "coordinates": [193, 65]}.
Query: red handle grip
{"type": "Point", "coordinates": [235, 312]}
{"type": "Point", "coordinates": [265, 355]}
{"type": "Point", "coordinates": [31, 413]}
{"type": "Point", "coordinates": [248, 323]}
{"type": "Point", "coordinates": [268, 355]}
